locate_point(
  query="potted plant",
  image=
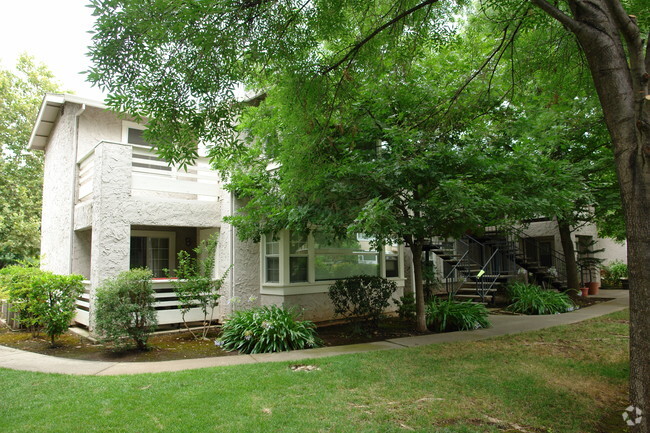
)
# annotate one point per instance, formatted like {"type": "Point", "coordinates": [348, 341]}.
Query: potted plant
{"type": "Point", "coordinates": [589, 265]}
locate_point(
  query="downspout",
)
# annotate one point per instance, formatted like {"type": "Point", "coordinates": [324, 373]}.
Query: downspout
{"type": "Point", "coordinates": [75, 174]}
{"type": "Point", "coordinates": [232, 252]}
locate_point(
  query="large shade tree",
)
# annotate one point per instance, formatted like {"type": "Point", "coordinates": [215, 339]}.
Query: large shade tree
{"type": "Point", "coordinates": [21, 171]}
{"type": "Point", "coordinates": [387, 167]}
{"type": "Point", "coordinates": [179, 61]}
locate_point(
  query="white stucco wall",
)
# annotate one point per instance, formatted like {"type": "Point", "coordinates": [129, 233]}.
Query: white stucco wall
{"type": "Point", "coordinates": [58, 195]}
{"type": "Point", "coordinates": [95, 125]}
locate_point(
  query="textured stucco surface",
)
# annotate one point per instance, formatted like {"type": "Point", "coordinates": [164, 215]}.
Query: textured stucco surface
{"type": "Point", "coordinates": [243, 280]}
{"type": "Point", "coordinates": [96, 125]}
{"type": "Point", "coordinates": [58, 195]}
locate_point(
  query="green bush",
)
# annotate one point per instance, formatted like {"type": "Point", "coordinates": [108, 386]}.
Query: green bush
{"type": "Point", "coordinates": [448, 315]}
{"type": "Point", "coordinates": [532, 299]}
{"type": "Point", "coordinates": [613, 273]}
{"type": "Point", "coordinates": [124, 309]}
{"type": "Point", "coordinates": [267, 329]}
{"type": "Point", "coordinates": [195, 285]}
{"type": "Point", "coordinates": [42, 299]}
{"type": "Point", "coordinates": [362, 296]}
{"type": "Point", "coordinates": [406, 306]}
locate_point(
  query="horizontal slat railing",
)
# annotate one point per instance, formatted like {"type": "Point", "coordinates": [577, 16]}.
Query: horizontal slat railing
{"type": "Point", "coordinates": [167, 306]}
{"type": "Point", "coordinates": [150, 173]}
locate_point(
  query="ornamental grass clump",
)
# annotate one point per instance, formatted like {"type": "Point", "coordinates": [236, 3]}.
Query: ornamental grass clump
{"type": "Point", "coordinates": [448, 315]}
{"type": "Point", "coordinates": [267, 329]}
{"type": "Point", "coordinates": [533, 300]}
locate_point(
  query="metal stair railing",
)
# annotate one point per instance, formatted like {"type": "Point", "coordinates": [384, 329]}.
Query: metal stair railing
{"type": "Point", "coordinates": [466, 268]}
{"type": "Point", "coordinates": [518, 243]}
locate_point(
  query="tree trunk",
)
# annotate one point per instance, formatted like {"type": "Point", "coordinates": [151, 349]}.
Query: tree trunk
{"type": "Point", "coordinates": [621, 80]}
{"type": "Point", "coordinates": [573, 282]}
{"type": "Point", "coordinates": [420, 314]}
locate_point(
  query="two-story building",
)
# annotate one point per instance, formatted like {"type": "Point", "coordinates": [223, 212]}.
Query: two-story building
{"type": "Point", "coordinates": [110, 204]}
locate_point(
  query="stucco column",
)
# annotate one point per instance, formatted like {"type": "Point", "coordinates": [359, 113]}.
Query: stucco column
{"type": "Point", "coordinates": [111, 230]}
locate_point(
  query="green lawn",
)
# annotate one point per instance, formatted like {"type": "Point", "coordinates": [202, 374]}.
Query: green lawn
{"type": "Point", "coordinates": [565, 379]}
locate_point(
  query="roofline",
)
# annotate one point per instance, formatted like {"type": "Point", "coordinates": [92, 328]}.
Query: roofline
{"type": "Point", "coordinates": [57, 100]}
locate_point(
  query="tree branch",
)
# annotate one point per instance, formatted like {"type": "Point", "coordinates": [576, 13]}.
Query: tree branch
{"type": "Point", "coordinates": [556, 13]}
{"type": "Point", "coordinates": [375, 32]}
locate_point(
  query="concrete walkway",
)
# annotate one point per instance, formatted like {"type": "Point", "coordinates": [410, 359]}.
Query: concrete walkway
{"type": "Point", "coordinates": [501, 325]}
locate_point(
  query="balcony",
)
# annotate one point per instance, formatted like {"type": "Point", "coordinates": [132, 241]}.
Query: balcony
{"type": "Point", "coordinates": [150, 176]}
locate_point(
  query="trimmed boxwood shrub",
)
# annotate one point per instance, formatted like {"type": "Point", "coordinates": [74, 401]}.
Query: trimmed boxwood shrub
{"type": "Point", "coordinates": [532, 299]}
{"type": "Point", "coordinates": [448, 315]}
{"type": "Point", "coordinates": [124, 309]}
{"type": "Point", "coordinates": [362, 296]}
{"type": "Point", "coordinates": [267, 329]}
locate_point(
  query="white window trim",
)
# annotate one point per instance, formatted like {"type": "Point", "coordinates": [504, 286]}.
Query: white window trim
{"type": "Point", "coordinates": [126, 125]}
{"type": "Point", "coordinates": [283, 287]}
{"type": "Point", "coordinates": [160, 234]}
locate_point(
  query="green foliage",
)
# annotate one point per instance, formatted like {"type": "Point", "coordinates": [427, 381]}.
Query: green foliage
{"type": "Point", "coordinates": [612, 273]}
{"type": "Point", "coordinates": [43, 300]}
{"type": "Point", "coordinates": [406, 306]}
{"type": "Point", "coordinates": [124, 309]}
{"type": "Point", "coordinates": [532, 299]}
{"type": "Point", "coordinates": [361, 297]}
{"type": "Point", "coordinates": [195, 285]}
{"type": "Point", "coordinates": [267, 329]}
{"type": "Point", "coordinates": [448, 315]}
{"type": "Point", "coordinates": [21, 171]}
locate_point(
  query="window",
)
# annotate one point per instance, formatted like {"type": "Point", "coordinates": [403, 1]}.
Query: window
{"type": "Point", "coordinates": [298, 258]}
{"type": "Point", "coordinates": [344, 258]}
{"type": "Point", "coordinates": [153, 250]}
{"type": "Point", "coordinates": [272, 259]}
{"type": "Point", "coordinates": [391, 260]}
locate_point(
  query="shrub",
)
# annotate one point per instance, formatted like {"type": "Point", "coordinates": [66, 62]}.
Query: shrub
{"type": "Point", "coordinates": [42, 299]}
{"type": "Point", "coordinates": [196, 286]}
{"type": "Point", "coordinates": [361, 296]}
{"type": "Point", "coordinates": [267, 329]}
{"type": "Point", "coordinates": [532, 299]}
{"type": "Point", "coordinates": [613, 273]}
{"type": "Point", "coordinates": [124, 309]}
{"type": "Point", "coordinates": [448, 315]}
{"type": "Point", "coordinates": [406, 306]}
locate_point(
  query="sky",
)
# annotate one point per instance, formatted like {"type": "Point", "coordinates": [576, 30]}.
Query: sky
{"type": "Point", "coordinates": [55, 33]}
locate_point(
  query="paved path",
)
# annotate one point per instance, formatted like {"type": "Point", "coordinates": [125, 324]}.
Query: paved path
{"type": "Point", "coordinates": [501, 325]}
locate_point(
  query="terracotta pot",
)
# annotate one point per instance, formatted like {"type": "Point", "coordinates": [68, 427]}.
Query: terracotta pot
{"type": "Point", "coordinates": [584, 290]}
{"type": "Point", "coordinates": [593, 287]}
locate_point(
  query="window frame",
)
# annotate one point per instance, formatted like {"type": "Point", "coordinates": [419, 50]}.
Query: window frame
{"type": "Point", "coordinates": [285, 287]}
{"type": "Point", "coordinates": [171, 236]}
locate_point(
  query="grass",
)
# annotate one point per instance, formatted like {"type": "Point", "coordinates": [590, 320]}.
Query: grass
{"type": "Point", "coordinates": [564, 379]}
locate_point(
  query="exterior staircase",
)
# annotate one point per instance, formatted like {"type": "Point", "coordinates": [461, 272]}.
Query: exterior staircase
{"type": "Point", "coordinates": [477, 267]}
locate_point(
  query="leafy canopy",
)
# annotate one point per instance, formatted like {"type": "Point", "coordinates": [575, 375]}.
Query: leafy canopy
{"type": "Point", "coordinates": [21, 171]}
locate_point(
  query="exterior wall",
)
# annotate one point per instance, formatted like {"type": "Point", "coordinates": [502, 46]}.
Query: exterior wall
{"type": "Point", "coordinates": [242, 284]}
{"type": "Point", "coordinates": [612, 249]}
{"type": "Point", "coordinates": [316, 307]}
{"type": "Point", "coordinates": [82, 253]}
{"type": "Point", "coordinates": [111, 228]}
{"type": "Point", "coordinates": [95, 125]}
{"type": "Point", "coordinates": [58, 195]}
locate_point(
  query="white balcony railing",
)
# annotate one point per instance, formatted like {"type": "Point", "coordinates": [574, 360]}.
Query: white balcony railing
{"type": "Point", "coordinates": [152, 176]}
{"type": "Point", "coordinates": [167, 306]}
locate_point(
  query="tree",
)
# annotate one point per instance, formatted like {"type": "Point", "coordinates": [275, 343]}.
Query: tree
{"type": "Point", "coordinates": [619, 61]}
{"type": "Point", "coordinates": [387, 168]}
{"type": "Point", "coordinates": [21, 171]}
{"type": "Point", "coordinates": [178, 61]}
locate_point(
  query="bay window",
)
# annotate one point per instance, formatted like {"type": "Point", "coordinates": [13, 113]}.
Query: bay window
{"type": "Point", "coordinates": [293, 259]}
